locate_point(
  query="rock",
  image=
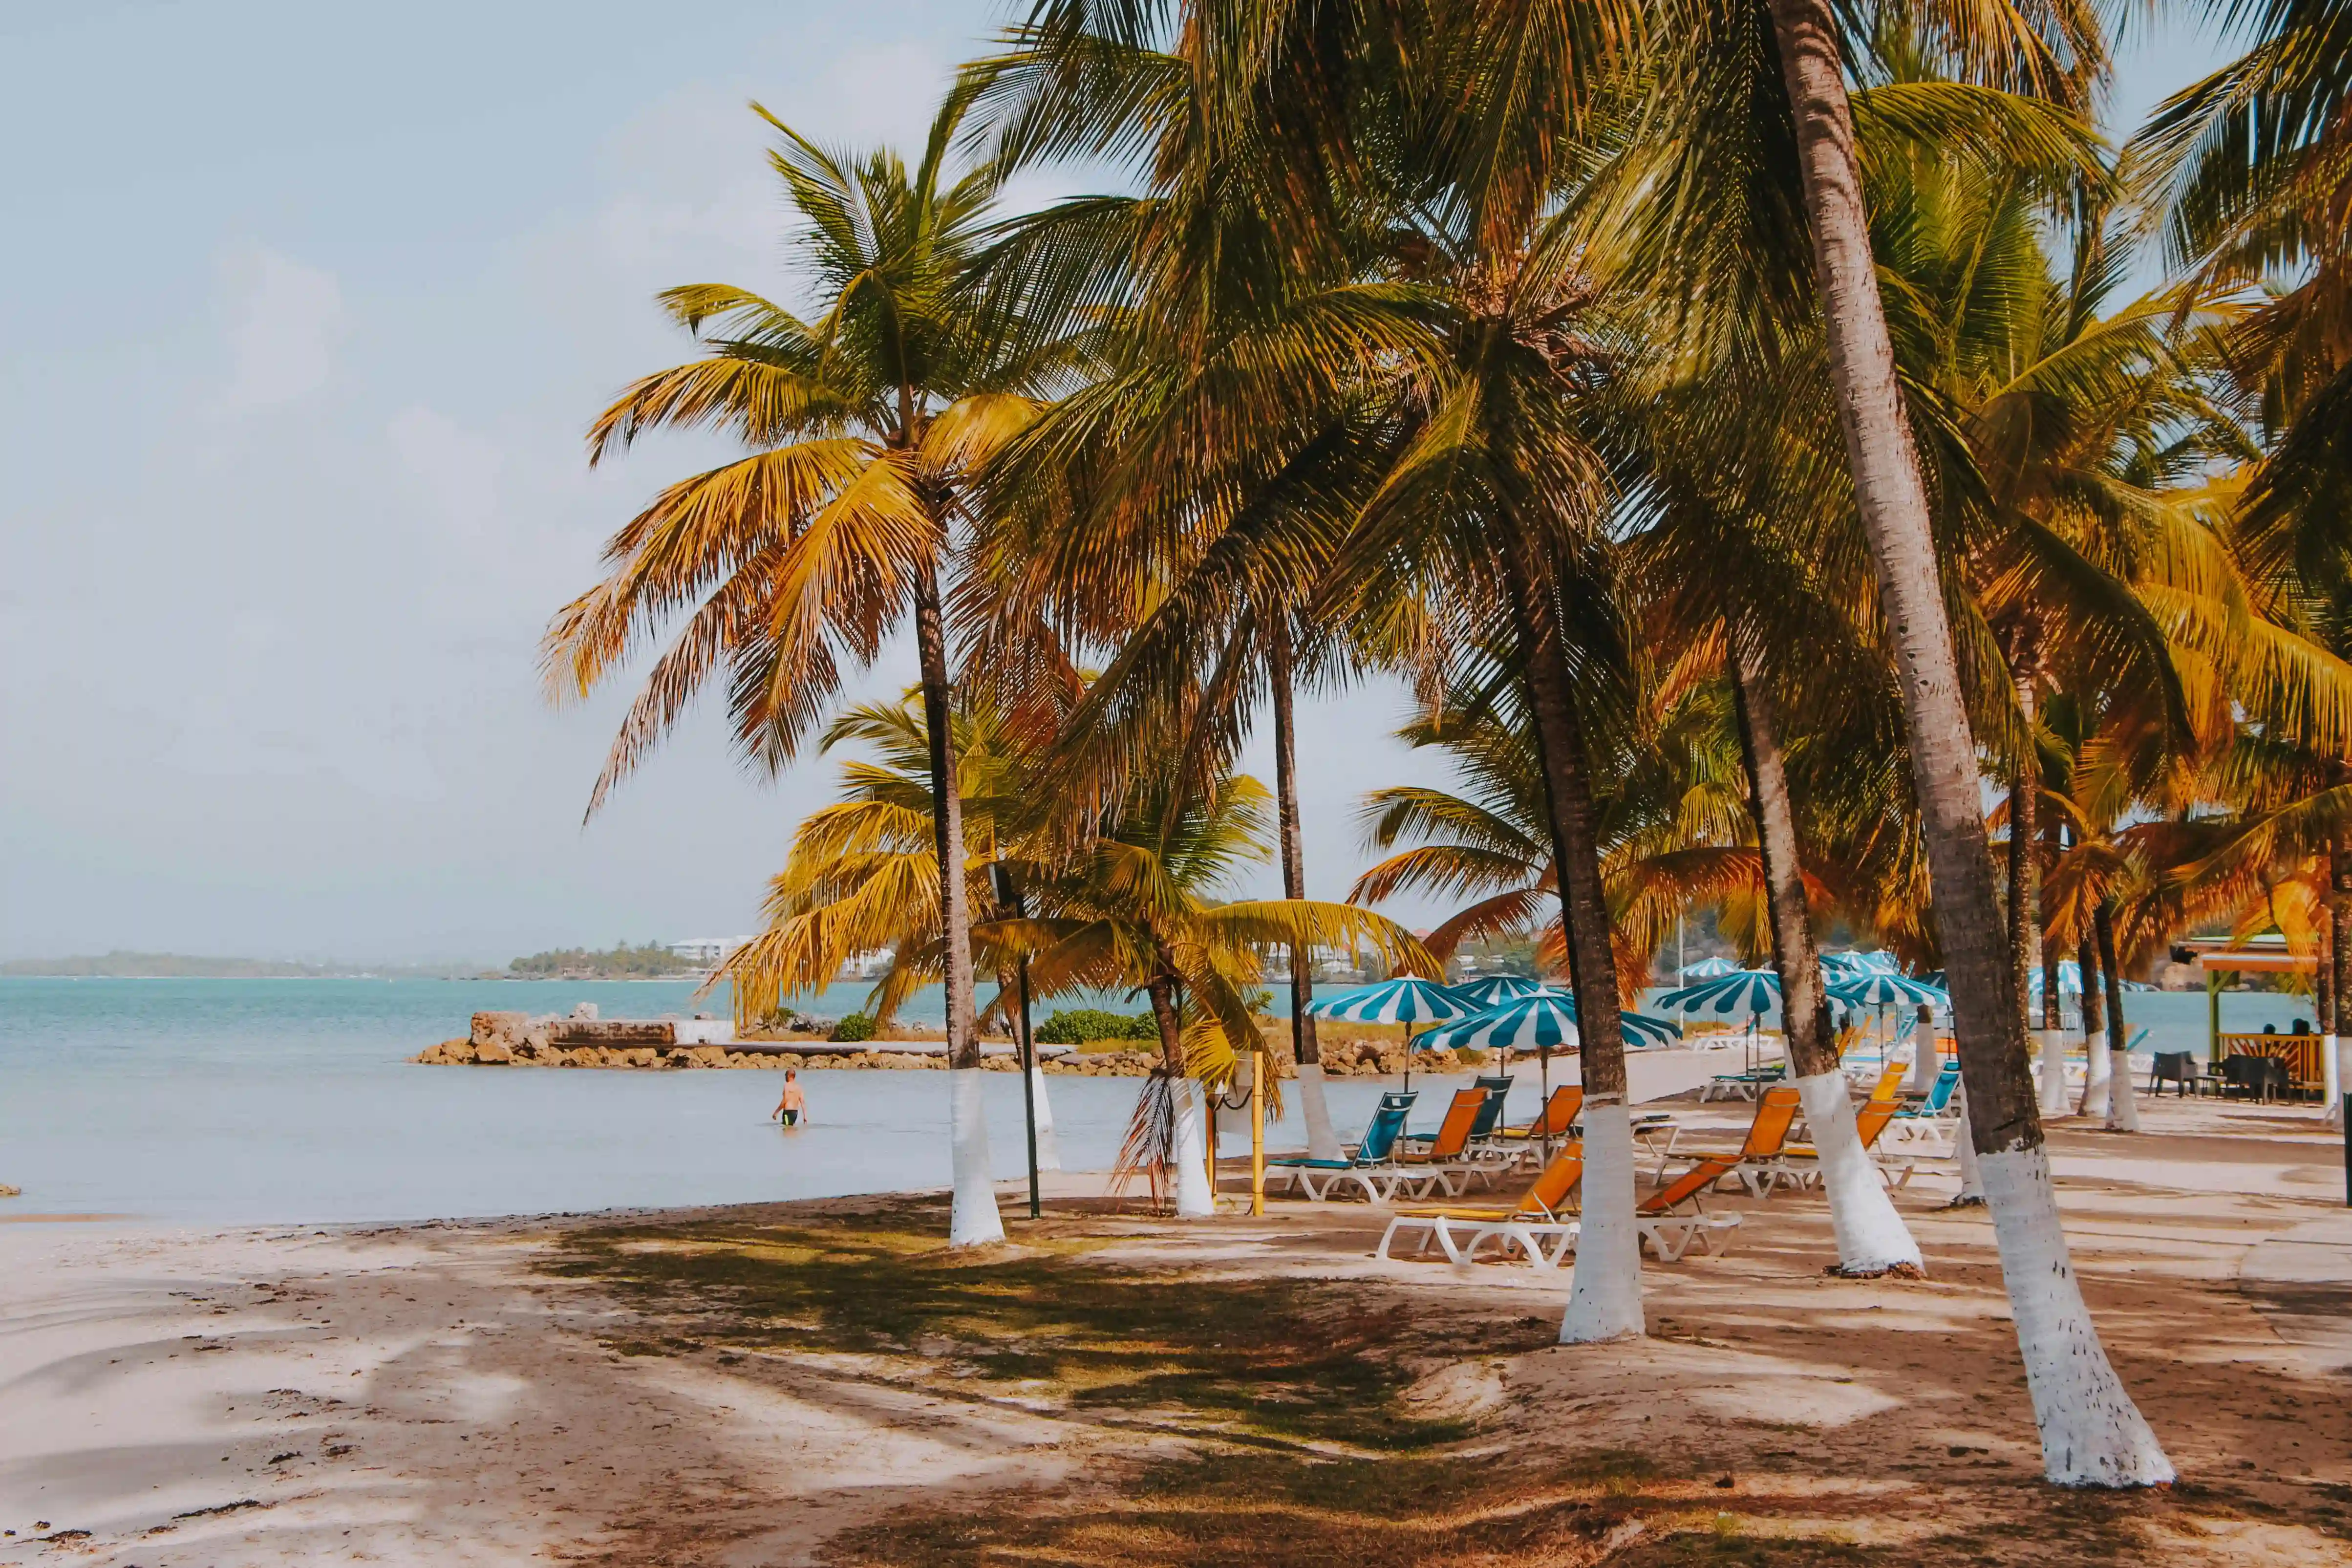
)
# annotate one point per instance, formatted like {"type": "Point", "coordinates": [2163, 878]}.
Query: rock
{"type": "Point", "coordinates": [499, 1028]}
{"type": "Point", "coordinates": [586, 1011]}
{"type": "Point", "coordinates": [495, 1051]}
{"type": "Point", "coordinates": [539, 1035]}
{"type": "Point", "coordinates": [8, 1192]}
{"type": "Point", "coordinates": [682, 1059]}
{"type": "Point", "coordinates": [787, 1059]}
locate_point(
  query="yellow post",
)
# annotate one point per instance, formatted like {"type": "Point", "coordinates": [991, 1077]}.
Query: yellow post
{"type": "Point", "coordinates": [1257, 1136]}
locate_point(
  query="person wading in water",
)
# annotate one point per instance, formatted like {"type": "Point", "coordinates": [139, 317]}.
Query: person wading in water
{"type": "Point", "coordinates": [791, 1110]}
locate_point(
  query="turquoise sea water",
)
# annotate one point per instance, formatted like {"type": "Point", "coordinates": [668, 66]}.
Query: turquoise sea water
{"type": "Point", "coordinates": [236, 1102]}
{"type": "Point", "coordinates": [289, 1101]}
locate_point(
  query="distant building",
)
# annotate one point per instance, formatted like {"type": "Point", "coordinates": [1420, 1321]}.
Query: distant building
{"type": "Point", "coordinates": [705, 952]}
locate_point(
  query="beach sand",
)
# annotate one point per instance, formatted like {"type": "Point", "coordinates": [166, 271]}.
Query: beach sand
{"type": "Point", "coordinates": [712, 1386]}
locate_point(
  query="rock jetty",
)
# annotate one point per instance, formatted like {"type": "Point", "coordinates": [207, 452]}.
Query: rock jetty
{"type": "Point", "coordinates": [518, 1039]}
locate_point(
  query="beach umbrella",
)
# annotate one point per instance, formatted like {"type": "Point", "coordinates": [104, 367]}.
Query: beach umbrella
{"type": "Point", "coordinates": [1754, 992]}
{"type": "Point", "coordinates": [1406, 1002]}
{"type": "Point", "coordinates": [1707, 969]}
{"type": "Point", "coordinates": [2070, 979]}
{"type": "Point", "coordinates": [1499, 988]}
{"type": "Point", "coordinates": [1844, 962]}
{"type": "Point", "coordinates": [1525, 1023]}
{"type": "Point", "coordinates": [1880, 990]}
{"type": "Point", "coordinates": [1751, 991]}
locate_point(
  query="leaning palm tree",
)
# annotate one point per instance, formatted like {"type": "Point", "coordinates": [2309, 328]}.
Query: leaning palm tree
{"type": "Point", "coordinates": [794, 564]}
{"type": "Point", "coordinates": [1755, 142]}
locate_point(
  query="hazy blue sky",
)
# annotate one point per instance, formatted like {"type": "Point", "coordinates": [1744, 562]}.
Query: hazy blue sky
{"type": "Point", "coordinates": [304, 310]}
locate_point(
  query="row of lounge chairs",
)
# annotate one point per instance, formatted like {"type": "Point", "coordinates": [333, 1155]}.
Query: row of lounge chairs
{"type": "Point", "coordinates": [1538, 1227]}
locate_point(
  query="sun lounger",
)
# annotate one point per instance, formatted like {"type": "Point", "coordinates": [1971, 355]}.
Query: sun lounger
{"type": "Point", "coordinates": [1557, 1117]}
{"type": "Point", "coordinates": [1931, 1120]}
{"type": "Point", "coordinates": [1743, 1085]}
{"type": "Point", "coordinates": [1670, 1231]}
{"type": "Point", "coordinates": [1800, 1164]}
{"type": "Point", "coordinates": [1445, 1156]}
{"type": "Point", "coordinates": [1756, 1165]}
{"type": "Point", "coordinates": [1372, 1169]}
{"type": "Point", "coordinates": [1536, 1227]}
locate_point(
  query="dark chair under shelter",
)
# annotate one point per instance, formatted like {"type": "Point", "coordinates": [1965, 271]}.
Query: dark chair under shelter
{"type": "Point", "coordinates": [2173, 1067]}
{"type": "Point", "coordinates": [2256, 1078]}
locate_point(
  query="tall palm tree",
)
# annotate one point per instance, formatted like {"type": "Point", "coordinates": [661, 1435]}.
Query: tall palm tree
{"type": "Point", "coordinates": [794, 563]}
{"type": "Point", "coordinates": [1761, 105]}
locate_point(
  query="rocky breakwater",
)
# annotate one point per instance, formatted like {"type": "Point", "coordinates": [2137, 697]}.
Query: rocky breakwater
{"type": "Point", "coordinates": [584, 1040]}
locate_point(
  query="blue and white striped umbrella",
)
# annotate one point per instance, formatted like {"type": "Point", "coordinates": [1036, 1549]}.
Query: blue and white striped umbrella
{"type": "Point", "coordinates": [1542, 1023]}
{"type": "Point", "coordinates": [1876, 990]}
{"type": "Point", "coordinates": [1396, 1001]}
{"type": "Point", "coordinates": [1756, 991]}
{"type": "Point", "coordinates": [1707, 969]}
{"type": "Point", "coordinates": [1837, 965]}
{"type": "Point", "coordinates": [2070, 979]}
{"type": "Point", "coordinates": [1527, 1023]}
{"type": "Point", "coordinates": [1499, 988]}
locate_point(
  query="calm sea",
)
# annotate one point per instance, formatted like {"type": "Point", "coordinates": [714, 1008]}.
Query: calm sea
{"type": "Point", "coordinates": [271, 1101]}
{"type": "Point", "coordinates": [266, 1101]}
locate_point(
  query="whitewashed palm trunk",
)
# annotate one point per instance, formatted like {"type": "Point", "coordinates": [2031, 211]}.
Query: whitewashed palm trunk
{"type": "Point", "coordinates": [1871, 1236]}
{"type": "Point", "coordinates": [1604, 1302]}
{"type": "Point", "coordinates": [2110, 1445]}
{"type": "Point", "coordinates": [2333, 1064]}
{"type": "Point", "coordinates": [2092, 1433]}
{"type": "Point", "coordinates": [1322, 1139]}
{"type": "Point", "coordinates": [972, 1219]}
{"type": "Point", "coordinates": [1193, 1199]}
{"type": "Point", "coordinates": [2098, 1064]}
{"type": "Point", "coordinates": [1049, 1147]}
{"type": "Point", "coordinates": [1972, 1193]}
{"type": "Point", "coordinates": [1924, 1061]}
{"type": "Point", "coordinates": [2051, 1043]}
{"type": "Point", "coordinates": [2123, 1099]}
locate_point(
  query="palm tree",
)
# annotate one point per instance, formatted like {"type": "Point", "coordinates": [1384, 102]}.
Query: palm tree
{"type": "Point", "coordinates": [1129, 901]}
{"type": "Point", "coordinates": [795, 562]}
{"type": "Point", "coordinates": [1778, 178]}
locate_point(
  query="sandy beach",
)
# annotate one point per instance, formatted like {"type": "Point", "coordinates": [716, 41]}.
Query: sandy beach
{"type": "Point", "coordinates": [708, 1386]}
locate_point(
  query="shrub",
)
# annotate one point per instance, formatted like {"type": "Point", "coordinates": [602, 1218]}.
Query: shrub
{"type": "Point", "coordinates": [855, 1027]}
{"type": "Point", "coordinates": [1076, 1026]}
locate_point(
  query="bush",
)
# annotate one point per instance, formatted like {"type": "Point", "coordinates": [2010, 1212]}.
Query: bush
{"type": "Point", "coordinates": [1076, 1026]}
{"type": "Point", "coordinates": [855, 1027]}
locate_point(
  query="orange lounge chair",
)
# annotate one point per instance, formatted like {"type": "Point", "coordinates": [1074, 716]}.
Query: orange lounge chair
{"type": "Point", "coordinates": [1537, 1219]}
{"type": "Point", "coordinates": [1558, 1119]}
{"type": "Point", "coordinates": [1671, 1234]}
{"type": "Point", "coordinates": [1801, 1163]}
{"type": "Point", "coordinates": [1443, 1159]}
{"type": "Point", "coordinates": [1776, 1112]}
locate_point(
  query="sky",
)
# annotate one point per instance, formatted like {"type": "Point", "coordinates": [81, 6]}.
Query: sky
{"type": "Point", "coordinates": [306, 312]}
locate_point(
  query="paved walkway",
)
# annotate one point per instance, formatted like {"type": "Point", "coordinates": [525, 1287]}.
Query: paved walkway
{"type": "Point", "coordinates": [2301, 1281]}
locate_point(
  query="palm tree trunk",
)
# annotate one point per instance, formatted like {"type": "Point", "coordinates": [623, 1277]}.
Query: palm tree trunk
{"type": "Point", "coordinates": [2335, 961]}
{"type": "Point", "coordinates": [1605, 1300]}
{"type": "Point", "coordinates": [1188, 1142]}
{"type": "Point", "coordinates": [1322, 1140]}
{"type": "Point", "coordinates": [2092, 1434]}
{"type": "Point", "coordinates": [1871, 1239]}
{"type": "Point", "coordinates": [972, 1216]}
{"type": "Point", "coordinates": [2098, 1080]}
{"type": "Point", "coordinates": [2123, 1110]}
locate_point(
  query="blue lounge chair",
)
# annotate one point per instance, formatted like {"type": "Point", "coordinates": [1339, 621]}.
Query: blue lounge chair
{"type": "Point", "coordinates": [1372, 1166]}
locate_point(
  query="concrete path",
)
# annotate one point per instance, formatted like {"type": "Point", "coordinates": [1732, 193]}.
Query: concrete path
{"type": "Point", "coordinates": [2301, 1281]}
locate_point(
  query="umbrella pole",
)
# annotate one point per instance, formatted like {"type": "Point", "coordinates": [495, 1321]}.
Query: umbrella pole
{"type": "Point", "coordinates": [1543, 1054]}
